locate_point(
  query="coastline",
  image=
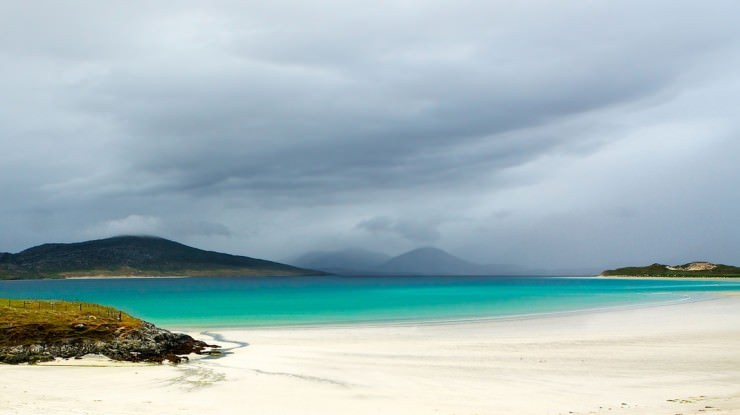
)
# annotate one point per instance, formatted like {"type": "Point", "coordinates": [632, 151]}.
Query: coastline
{"type": "Point", "coordinates": [119, 277]}
{"type": "Point", "coordinates": [621, 277]}
{"type": "Point", "coordinates": [678, 358]}
{"type": "Point", "coordinates": [190, 329]}
{"type": "Point", "coordinates": [632, 277]}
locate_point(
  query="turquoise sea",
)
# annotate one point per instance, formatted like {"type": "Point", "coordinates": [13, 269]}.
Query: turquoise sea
{"type": "Point", "coordinates": [209, 302]}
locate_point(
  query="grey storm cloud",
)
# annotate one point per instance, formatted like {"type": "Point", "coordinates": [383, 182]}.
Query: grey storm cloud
{"type": "Point", "coordinates": [413, 231]}
{"type": "Point", "coordinates": [273, 128]}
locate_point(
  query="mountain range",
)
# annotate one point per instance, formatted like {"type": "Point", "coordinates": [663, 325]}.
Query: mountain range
{"type": "Point", "coordinates": [133, 256]}
{"type": "Point", "coordinates": [420, 261]}
{"type": "Point", "coordinates": [149, 256]}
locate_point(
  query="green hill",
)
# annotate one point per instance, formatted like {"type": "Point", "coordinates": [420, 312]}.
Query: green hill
{"type": "Point", "coordinates": [692, 269]}
{"type": "Point", "coordinates": [133, 256]}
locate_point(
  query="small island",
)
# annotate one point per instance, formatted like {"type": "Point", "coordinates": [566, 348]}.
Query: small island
{"type": "Point", "coordinates": [34, 331]}
{"type": "Point", "coordinates": [698, 269]}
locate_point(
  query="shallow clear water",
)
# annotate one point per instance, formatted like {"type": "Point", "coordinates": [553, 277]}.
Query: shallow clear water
{"type": "Point", "coordinates": [272, 301]}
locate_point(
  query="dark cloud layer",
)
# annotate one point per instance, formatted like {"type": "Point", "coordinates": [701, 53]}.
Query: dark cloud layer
{"type": "Point", "coordinates": [514, 132]}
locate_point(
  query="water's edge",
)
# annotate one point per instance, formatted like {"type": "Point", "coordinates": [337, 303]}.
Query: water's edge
{"type": "Point", "coordinates": [205, 303]}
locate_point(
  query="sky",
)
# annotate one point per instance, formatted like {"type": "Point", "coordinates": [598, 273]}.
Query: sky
{"type": "Point", "coordinates": [540, 133]}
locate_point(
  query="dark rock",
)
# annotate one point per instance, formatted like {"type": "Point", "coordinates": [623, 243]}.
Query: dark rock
{"type": "Point", "coordinates": [145, 344]}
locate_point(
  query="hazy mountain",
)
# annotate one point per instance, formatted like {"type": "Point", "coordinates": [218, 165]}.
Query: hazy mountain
{"type": "Point", "coordinates": [342, 261]}
{"type": "Point", "coordinates": [133, 256]}
{"type": "Point", "coordinates": [421, 261]}
{"type": "Point", "coordinates": [431, 261]}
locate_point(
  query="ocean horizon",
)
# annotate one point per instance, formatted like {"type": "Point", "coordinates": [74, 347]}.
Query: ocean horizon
{"type": "Point", "coordinates": [215, 302]}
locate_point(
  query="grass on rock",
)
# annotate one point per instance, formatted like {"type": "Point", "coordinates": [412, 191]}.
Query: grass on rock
{"type": "Point", "coordinates": [46, 321]}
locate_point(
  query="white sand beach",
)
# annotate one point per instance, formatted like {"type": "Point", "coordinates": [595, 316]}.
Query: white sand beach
{"type": "Point", "coordinates": [676, 359]}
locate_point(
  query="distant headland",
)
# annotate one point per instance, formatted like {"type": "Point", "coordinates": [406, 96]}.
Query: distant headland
{"type": "Point", "coordinates": [699, 269]}
{"type": "Point", "coordinates": [134, 256]}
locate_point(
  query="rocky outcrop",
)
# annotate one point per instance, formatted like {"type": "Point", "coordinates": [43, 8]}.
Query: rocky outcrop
{"type": "Point", "coordinates": [693, 266]}
{"type": "Point", "coordinates": [146, 343]}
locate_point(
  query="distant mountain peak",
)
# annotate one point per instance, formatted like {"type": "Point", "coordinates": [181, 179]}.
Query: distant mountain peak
{"type": "Point", "coordinates": [431, 250]}
{"type": "Point", "coordinates": [349, 259]}
{"type": "Point", "coordinates": [430, 260]}
{"type": "Point", "coordinates": [136, 237]}
{"type": "Point", "coordinates": [427, 250]}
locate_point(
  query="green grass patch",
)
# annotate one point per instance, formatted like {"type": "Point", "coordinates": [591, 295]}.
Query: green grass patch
{"type": "Point", "coordinates": [48, 321]}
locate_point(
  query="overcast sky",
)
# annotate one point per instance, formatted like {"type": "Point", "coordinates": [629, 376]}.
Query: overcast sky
{"type": "Point", "coordinates": [569, 133]}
